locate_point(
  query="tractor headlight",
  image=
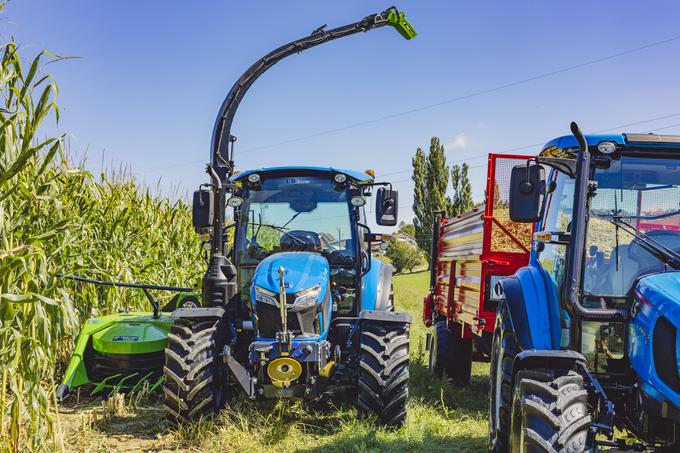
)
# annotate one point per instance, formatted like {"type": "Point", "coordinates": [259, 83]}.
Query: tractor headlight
{"type": "Point", "coordinates": [265, 296]}
{"type": "Point", "coordinates": [307, 298]}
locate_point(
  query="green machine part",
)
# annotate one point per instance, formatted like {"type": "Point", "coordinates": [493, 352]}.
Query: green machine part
{"type": "Point", "coordinates": [119, 335]}
{"type": "Point", "coordinates": [397, 19]}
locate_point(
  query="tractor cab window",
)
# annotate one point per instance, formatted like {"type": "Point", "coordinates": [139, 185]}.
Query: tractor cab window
{"type": "Point", "coordinates": [557, 218]}
{"type": "Point", "coordinates": [644, 192]}
{"type": "Point", "coordinates": [306, 213]}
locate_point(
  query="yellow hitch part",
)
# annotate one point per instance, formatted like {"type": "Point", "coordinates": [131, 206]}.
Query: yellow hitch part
{"type": "Point", "coordinates": [327, 370]}
{"type": "Point", "coordinates": [283, 371]}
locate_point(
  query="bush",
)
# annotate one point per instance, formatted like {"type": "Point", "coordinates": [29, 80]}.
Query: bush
{"type": "Point", "coordinates": [404, 256]}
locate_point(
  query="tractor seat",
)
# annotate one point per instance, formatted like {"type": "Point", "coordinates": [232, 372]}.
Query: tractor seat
{"type": "Point", "coordinates": [300, 241]}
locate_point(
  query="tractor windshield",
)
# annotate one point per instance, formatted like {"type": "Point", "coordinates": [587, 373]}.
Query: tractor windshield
{"type": "Point", "coordinates": [296, 214]}
{"type": "Point", "coordinates": [644, 192]}
{"type": "Point", "coordinates": [304, 214]}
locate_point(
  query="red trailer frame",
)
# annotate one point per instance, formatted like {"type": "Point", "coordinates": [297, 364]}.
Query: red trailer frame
{"type": "Point", "coordinates": [462, 287]}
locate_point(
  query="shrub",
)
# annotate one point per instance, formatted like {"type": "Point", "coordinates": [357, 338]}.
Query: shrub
{"type": "Point", "coordinates": [404, 256]}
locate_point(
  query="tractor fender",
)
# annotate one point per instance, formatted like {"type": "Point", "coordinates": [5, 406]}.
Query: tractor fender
{"type": "Point", "coordinates": [376, 287]}
{"type": "Point", "coordinates": [533, 316]}
{"type": "Point", "coordinates": [546, 359]}
{"type": "Point", "coordinates": [198, 312]}
{"type": "Point", "coordinates": [385, 316]}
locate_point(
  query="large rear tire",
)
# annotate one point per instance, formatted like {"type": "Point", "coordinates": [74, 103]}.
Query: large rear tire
{"type": "Point", "coordinates": [383, 370]}
{"type": "Point", "coordinates": [550, 413]}
{"type": "Point", "coordinates": [194, 374]}
{"type": "Point", "coordinates": [503, 351]}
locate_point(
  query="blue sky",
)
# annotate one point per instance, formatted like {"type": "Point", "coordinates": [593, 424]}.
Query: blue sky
{"type": "Point", "coordinates": [152, 75]}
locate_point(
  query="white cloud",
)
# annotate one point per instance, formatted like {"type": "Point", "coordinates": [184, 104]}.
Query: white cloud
{"type": "Point", "coordinates": [459, 142]}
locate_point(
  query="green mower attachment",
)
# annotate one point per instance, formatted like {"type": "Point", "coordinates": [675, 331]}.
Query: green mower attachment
{"type": "Point", "coordinates": [123, 350]}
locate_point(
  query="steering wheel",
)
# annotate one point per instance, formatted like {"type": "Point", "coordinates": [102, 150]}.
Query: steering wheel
{"type": "Point", "coordinates": [300, 239]}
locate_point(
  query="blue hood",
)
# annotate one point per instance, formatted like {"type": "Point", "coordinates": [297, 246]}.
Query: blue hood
{"type": "Point", "coordinates": [303, 270]}
{"type": "Point", "coordinates": [663, 293]}
{"type": "Point", "coordinates": [656, 303]}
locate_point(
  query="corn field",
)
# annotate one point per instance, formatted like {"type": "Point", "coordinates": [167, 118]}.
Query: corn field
{"type": "Point", "coordinates": [57, 217]}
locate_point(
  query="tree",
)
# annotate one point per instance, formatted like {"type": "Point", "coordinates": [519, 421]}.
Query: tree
{"type": "Point", "coordinates": [431, 179]}
{"type": "Point", "coordinates": [407, 228]}
{"type": "Point", "coordinates": [462, 190]}
{"type": "Point", "coordinates": [404, 256]}
{"type": "Point", "coordinates": [421, 208]}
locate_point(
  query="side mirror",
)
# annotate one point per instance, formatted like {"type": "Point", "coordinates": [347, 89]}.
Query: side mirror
{"type": "Point", "coordinates": [203, 211]}
{"type": "Point", "coordinates": [386, 207]}
{"type": "Point", "coordinates": [527, 190]}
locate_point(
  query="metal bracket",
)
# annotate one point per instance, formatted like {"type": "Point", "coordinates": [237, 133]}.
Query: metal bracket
{"type": "Point", "coordinates": [243, 377]}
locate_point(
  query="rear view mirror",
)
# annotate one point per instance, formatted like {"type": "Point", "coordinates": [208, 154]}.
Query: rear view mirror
{"type": "Point", "coordinates": [386, 207]}
{"type": "Point", "coordinates": [527, 190]}
{"type": "Point", "coordinates": [203, 212]}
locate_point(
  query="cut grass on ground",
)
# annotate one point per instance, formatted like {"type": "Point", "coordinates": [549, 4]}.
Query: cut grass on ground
{"type": "Point", "coordinates": [441, 417]}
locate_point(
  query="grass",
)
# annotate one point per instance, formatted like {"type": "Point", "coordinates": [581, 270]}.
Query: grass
{"type": "Point", "coordinates": [441, 417]}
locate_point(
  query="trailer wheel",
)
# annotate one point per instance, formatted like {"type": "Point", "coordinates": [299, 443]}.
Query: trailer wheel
{"type": "Point", "coordinates": [383, 370]}
{"type": "Point", "coordinates": [550, 413]}
{"type": "Point", "coordinates": [193, 371]}
{"type": "Point", "coordinates": [450, 353]}
{"type": "Point", "coordinates": [441, 350]}
{"type": "Point", "coordinates": [503, 351]}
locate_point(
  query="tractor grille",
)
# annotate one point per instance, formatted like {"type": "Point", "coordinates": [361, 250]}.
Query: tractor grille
{"type": "Point", "coordinates": [101, 365]}
{"type": "Point", "coordinates": [269, 321]}
{"type": "Point", "coordinates": [663, 348]}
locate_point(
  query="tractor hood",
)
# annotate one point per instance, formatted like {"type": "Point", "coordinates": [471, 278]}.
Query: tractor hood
{"type": "Point", "coordinates": [302, 270]}
{"type": "Point", "coordinates": [653, 336]}
{"type": "Point", "coordinates": [662, 291]}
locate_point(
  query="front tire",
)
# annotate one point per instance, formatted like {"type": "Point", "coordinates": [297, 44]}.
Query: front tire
{"type": "Point", "coordinates": [503, 351]}
{"type": "Point", "coordinates": [193, 370]}
{"type": "Point", "coordinates": [550, 413]}
{"type": "Point", "coordinates": [383, 370]}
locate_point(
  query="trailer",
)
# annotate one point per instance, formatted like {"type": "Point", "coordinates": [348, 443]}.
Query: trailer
{"type": "Point", "coordinates": [471, 252]}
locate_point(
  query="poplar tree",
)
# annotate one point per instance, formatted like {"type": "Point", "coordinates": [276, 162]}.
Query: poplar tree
{"type": "Point", "coordinates": [420, 203]}
{"type": "Point", "coordinates": [462, 190]}
{"type": "Point", "coordinates": [431, 180]}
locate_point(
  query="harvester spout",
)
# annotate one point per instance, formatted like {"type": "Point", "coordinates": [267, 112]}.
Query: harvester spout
{"type": "Point", "coordinates": [221, 158]}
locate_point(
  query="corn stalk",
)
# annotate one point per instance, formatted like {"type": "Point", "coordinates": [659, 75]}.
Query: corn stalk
{"type": "Point", "coordinates": [56, 217]}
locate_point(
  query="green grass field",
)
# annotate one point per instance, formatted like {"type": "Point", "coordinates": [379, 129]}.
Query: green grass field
{"type": "Point", "coordinates": [441, 418]}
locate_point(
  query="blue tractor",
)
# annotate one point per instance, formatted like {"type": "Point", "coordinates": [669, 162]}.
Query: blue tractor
{"type": "Point", "coordinates": [586, 336]}
{"type": "Point", "coordinates": [293, 303]}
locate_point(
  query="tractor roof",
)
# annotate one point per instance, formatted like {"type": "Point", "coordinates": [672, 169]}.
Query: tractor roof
{"type": "Point", "coordinates": [298, 170]}
{"type": "Point", "coordinates": [566, 145]}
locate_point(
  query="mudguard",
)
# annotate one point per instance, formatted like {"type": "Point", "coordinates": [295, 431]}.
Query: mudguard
{"type": "Point", "coordinates": [376, 287]}
{"type": "Point", "coordinates": [534, 312]}
{"type": "Point", "coordinates": [385, 316]}
{"type": "Point", "coordinates": [198, 312]}
{"type": "Point", "coordinates": [547, 359]}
